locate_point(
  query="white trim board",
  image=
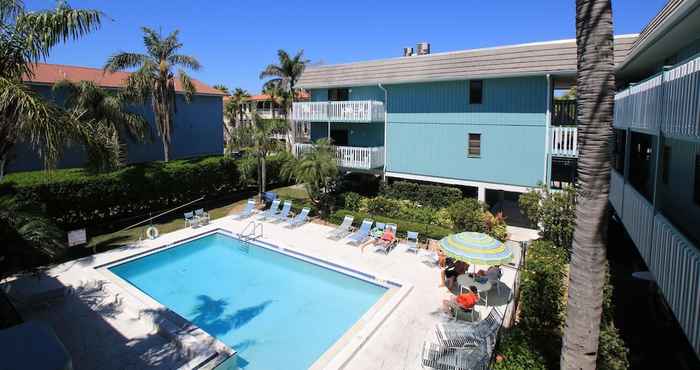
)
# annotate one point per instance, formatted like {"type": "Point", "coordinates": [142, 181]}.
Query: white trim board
{"type": "Point", "coordinates": [450, 181]}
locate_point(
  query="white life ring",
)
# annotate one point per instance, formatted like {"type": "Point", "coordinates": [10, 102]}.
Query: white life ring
{"type": "Point", "coordinates": [152, 232]}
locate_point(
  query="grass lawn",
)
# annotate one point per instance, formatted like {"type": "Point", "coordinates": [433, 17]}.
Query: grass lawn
{"type": "Point", "coordinates": [175, 222]}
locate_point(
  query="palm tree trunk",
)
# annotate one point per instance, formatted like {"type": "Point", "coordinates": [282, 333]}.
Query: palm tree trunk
{"type": "Point", "coordinates": [3, 161]}
{"type": "Point", "coordinates": [264, 174]}
{"type": "Point", "coordinates": [595, 82]}
{"type": "Point", "coordinates": [166, 148]}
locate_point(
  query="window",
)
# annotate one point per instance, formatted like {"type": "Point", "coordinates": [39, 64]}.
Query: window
{"type": "Point", "coordinates": [619, 150]}
{"type": "Point", "coordinates": [665, 163]}
{"type": "Point", "coordinates": [474, 149]}
{"type": "Point", "coordinates": [338, 94]}
{"type": "Point", "coordinates": [696, 191]}
{"type": "Point", "coordinates": [475, 91]}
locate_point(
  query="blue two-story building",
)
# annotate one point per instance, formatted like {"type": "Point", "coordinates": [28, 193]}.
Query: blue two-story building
{"type": "Point", "coordinates": [483, 118]}
{"type": "Point", "coordinates": [197, 126]}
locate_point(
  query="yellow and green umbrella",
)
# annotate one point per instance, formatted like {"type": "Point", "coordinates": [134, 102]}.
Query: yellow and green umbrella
{"type": "Point", "coordinates": [476, 249]}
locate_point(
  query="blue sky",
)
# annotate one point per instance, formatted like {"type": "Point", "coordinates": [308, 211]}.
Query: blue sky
{"type": "Point", "coordinates": [235, 39]}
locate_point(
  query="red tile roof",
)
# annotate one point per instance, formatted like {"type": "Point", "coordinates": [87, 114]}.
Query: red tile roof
{"type": "Point", "coordinates": [51, 73]}
{"type": "Point", "coordinates": [302, 95]}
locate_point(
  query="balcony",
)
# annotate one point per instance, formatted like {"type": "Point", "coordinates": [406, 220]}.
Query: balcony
{"type": "Point", "coordinates": [564, 141]}
{"type": "Point", "coordinates": [361, 111]}
{"type": "Point", "coordinates": [564, 113]}
{"type": "Point", "coordinates": [350, 157]}
{"type": "Point", "coordinates": [670, 256]}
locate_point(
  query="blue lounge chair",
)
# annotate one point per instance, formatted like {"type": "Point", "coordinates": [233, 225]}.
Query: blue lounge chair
{"type": "Point", "coordinates": [300, 219]}
{"type": "Point", "coordinates": [247, 212]}
{"type": "Point", "coordinates": [284, 214]}
{"type": "Point", "coordinates": [362, 234]}
{"type": "Point", "coordinates": [342, 230]}
{"type": "Point", "coordinates": [273, 210]}
{"type": "Point", "coordinates": [412, 242]}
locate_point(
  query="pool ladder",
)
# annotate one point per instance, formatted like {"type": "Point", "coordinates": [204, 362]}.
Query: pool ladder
{"type": "Point", "coordinates": [247, 234]}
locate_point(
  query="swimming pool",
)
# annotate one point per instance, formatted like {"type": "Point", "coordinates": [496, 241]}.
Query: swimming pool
{"type": "Point", "coordinates": [275, 310]}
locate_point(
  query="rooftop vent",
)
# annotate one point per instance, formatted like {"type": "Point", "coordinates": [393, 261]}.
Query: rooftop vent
{"type": "Point", "coordinates": [407, 52]}
{"type": "Point", "coordinates": [423, 48]}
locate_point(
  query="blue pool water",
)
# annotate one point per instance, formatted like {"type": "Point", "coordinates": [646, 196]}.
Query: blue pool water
{"type": "Point", "coordinates": [278, 312]}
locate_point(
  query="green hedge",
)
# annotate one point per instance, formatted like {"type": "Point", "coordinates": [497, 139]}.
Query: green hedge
{"type": "Point", "coordinates": [424, 230]}
{"type": "Point", "coordinates": [428, 195]}
{"type": "Point", "coordinates": [75, 198]}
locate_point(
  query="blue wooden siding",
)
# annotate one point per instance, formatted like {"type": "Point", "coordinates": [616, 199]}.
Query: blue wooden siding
{"type": "Point", "coordinates": [197, 131]}
{"type": "Point", "coordinates": [429, 124]}
{"type": "Point", "coordinates": [359, 134]}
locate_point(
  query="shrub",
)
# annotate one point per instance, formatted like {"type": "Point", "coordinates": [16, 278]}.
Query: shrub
{"type": "Point", "coordinates": [495, 225]}
{"type": "Point", "coordinates": [434, 196]}
{"type": "Point", "coordinates": [75, 198]}
{"type": "Point", "coordinates": [555, 212]}
{"type": "Point", "coordinates": [351, 201]}
{"type": "Point", "coordinates": [424, 230]}
{"type": "Point", "coordinates": [468, 214]}
{"type": "Point", "coordinates": [519, 352]}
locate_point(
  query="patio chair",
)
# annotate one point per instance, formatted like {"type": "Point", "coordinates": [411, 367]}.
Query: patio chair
{"type": "Point", "coordinates": [450, 358]}
{"type": "Point", "coordinates": [455, 334]}
{"type": "Point", "coordinates": [412, 242]}
{"type": "Point", "coordinates": [460, 313]}
{"type": "Point", "coordinates": [247, 212]}
{"type": "Point", "coordinates": [494, 277]}
{"type": "Point", "coordinates": [202, 217]}
{"type": "Point", "coordinates": [361, 235]}
{"type": "Point", "coordinates": [273, 210]}
{"type": "Point", "coordinates": [342, 230]}
{"type": "Point", "coordinates": [386, 246]}
{"type": "Point", "coordinates": [190, 220]}
{"type": "Point", "coordinates": [284, 214]}
{"type": "Point", "coordinates": [300, 219]}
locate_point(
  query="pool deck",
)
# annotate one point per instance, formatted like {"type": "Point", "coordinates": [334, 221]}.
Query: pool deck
{"type": "Point", "coordinates": [103, 324]}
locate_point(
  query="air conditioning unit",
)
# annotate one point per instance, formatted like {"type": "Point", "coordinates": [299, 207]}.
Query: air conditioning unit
{"type": "Point", "coordinates": [407, 52]}
{"type": "Point", "coordinates": [423, 48]}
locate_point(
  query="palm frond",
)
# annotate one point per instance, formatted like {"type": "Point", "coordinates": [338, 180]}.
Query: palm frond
{"type": "Point", "coordinates": [272, 70]}
{"type": "Point", "coordinates": [187, 85]}
{"type": "Point", "coordinates": [123, 60]}
{"type": "Point", "coordinates": [185, 61]}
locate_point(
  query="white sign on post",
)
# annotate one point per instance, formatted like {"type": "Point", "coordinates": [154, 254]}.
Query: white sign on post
{"type": "Point", "coordinates": [77, 237]}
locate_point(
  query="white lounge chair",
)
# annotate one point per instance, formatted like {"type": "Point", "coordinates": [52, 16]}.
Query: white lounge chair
{"type": "Point", "coordinates": [283, 215]}
{"type": "Point", "coordinates": [273, 210]}
{"type": "Point", "coordinates": [342, 230]}
{"type": "Point", "coordinates": [247, 212]}
{"type": "Point", "coordinates": [362, 234]}
{"type": "Point", "coordinates": [190, 220]}
{"type": "Point", "coordinates": [202, 217]}
{"type": "Point", "coordinates": [300, 219]}
{"type": "Point", "coordinates": [412, 242]}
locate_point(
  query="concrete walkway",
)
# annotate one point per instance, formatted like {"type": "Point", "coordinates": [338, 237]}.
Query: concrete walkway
{"type": "Point", "coordinates": [105, 326]}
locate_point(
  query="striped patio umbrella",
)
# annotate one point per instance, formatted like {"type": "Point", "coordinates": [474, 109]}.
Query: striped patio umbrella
{"type": "Point", "coordinates": [476, 249]}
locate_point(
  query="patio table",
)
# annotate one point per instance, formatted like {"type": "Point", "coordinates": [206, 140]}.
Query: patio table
{"type": "Point", "coordinates": [482, 284]}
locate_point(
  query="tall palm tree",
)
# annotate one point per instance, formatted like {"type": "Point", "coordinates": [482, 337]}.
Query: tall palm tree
{"type": "Point", "coordinates": [285, 75]}
{"type": "Point", "coordinates": [155, 78]}
{"type": "Point", "coordinates": [104, 122]}
{"type": "Point", "coordinates": [263, 144]}
{"type": "Point", "coordinates": [238, 100]}
{"type": "Point", "coordinates": [317, 170]}
{"type": "Point", "coordinates": [25, 39]}
{"type": "Point", "coordinates": [278, 98]}
{"type": "Point", "coordinates": [595, 82]}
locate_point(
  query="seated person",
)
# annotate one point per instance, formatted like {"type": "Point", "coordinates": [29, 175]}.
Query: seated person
{"type": "Point", "coordinates": [493, 272]}
{"type": "Point", "coordinates": [465, 301]}
{"type": "Point", "coordinates": [387, 238]}
{"type": "Point", "coordinates": [450, 274]}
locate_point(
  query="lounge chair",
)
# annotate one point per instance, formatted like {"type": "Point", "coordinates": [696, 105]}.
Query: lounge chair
{"type": "Point", "coordinates": [412, 242]}
{"type": "Point", "coordinates": [342, 230]}
{"type": "Point", "coordinates": [451, 358]}
{"type": "Point", "coordinates": [247, 212]}
{"type": "Point", "coordinates": [299, 219]}
{"type": "Point", "coordinates": [380, 225]}
{"type": "Point", "coordinates": [43, 299]}
{"type": "Point", "coordinates": [386, 246]}
{"type": "Point", "coordinates": [361, 235]}
{"type": "Point", "coordinates": [458, 334]}
{"type": "Point", "coordinates": [273, 210]}
{"type": "Point", "coordinates": [284, 214]}
{"type": "Point", "coordinates": [190, 220]}
{"type": "Point", "coordinates": [202, 217]}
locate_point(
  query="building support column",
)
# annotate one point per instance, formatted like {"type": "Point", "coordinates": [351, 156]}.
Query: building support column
{"type": "Point", "coordinates": [481, 194]}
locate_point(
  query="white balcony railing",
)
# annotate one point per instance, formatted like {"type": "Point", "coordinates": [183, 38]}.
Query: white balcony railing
{"type": "Point", "coordinates": [365, 158]}
{"type": "Point", "coordinates": [339, 111]}
{"type": "Point", "coordinates": [564, 141]}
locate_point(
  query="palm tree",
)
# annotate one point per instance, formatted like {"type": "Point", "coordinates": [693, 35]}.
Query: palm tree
{"type": "Point", "coordinates": [278, 97]}
{"type": "Point", "coordinates": [263, 144]}
{"type": "Point", "coordinates": [285, 75]}
{"type": "Point", "coordinates": [104, 122]}
{"type": "Point", "coordinates": [25, 39]}
{"type": "Point", "coordinates": [317, 169]}
{"type": "Point", "coordinates": [595, 83]}
{"type": "Point", "coordinates": [155, 78]}
{"type": "Point", "coordinates": [235, 105]}
{"type": "Point", "coordinates": [222, 88]}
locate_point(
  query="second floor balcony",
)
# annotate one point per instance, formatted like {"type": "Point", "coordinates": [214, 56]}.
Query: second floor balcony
{"type": "Point", "coordinates": [563, 141]}
{"type": "Point", "coordinates": [351, 157]}
{"type": "Point", "coordinates": [339, 111]}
